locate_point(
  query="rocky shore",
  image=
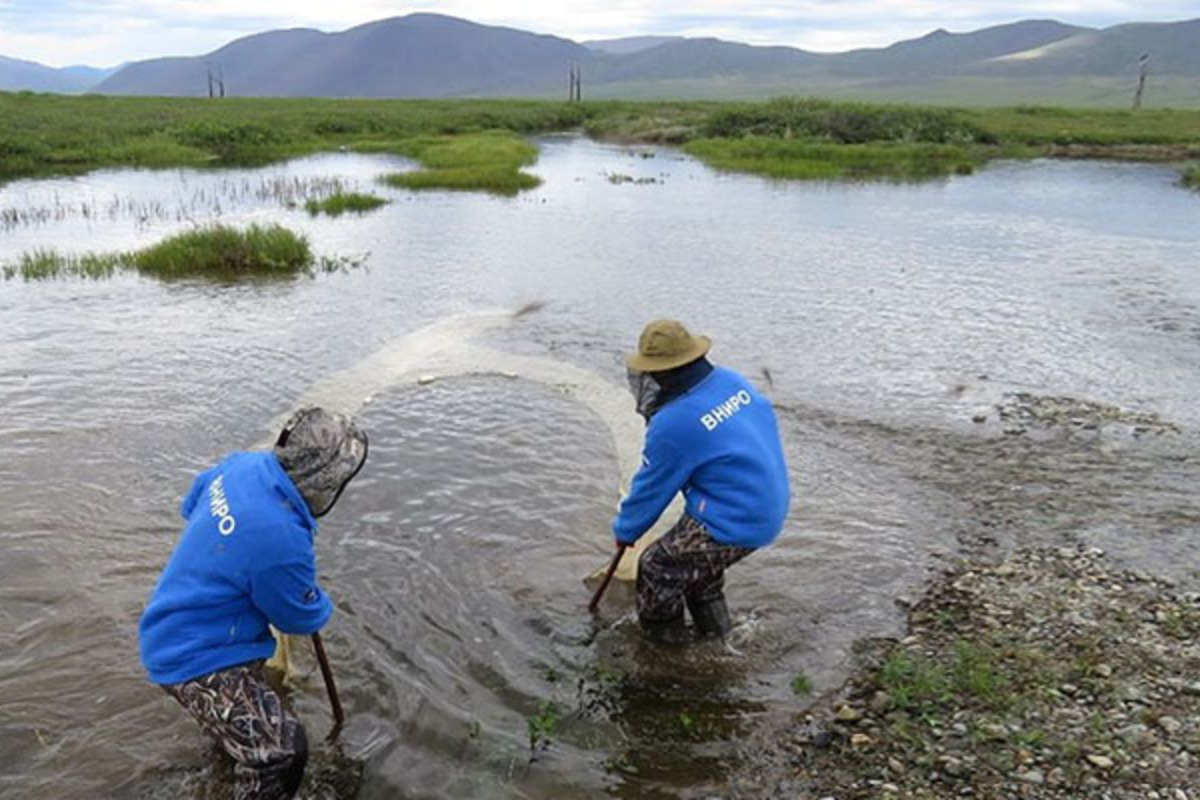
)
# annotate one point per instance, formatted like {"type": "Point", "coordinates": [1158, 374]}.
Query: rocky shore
{"type": "Point", "coordinates": [1053, 674]}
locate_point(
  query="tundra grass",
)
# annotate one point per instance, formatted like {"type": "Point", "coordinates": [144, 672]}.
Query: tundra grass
{"type": "Point", "coordinates": [342, 202]}
{"type": "Point", "coordinates": [57, 134]}
{"type": "Point", "coordinates": [489, 161]}
{"type": "Point", "coordinates": [1048, 125]}
{"type": "Point", "coordinates": [218, 253]}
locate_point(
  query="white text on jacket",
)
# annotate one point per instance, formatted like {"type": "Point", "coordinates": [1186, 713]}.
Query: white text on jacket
{"type": "Point", "coordinates": [219, 506]}
{"type": "Point", "coordinates": [724, 411]}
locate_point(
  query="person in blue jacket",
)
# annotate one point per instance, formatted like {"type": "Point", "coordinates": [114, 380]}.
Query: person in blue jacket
{"type": "Point", "coordinates": [713, 436]}
{"type": "Point", "coordinates": [246, 561]}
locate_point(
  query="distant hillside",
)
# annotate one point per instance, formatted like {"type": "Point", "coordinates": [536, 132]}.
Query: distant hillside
{"type": "Point", "coordinates": [428, 55]}
{"type": "Point", "coordinates": [16, 75]}
{"type": "Point", "coordinates": [1174, 49]}
{"type": "Point", "coordinates": [699, 59]}
{"type": "Point", "coordinates": [630, 44]}
{"type": "Point", "coordinates": [941, 53]}
{"type": "Point", "coordinates": [420, 55]}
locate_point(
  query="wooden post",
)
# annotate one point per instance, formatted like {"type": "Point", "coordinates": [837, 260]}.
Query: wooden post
{"type": "Point", "coordinates": [574, 83]}
{"type": "Point", "coordinates": [1143, 65]}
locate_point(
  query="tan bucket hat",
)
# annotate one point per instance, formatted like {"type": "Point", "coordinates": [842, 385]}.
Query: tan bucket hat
{"type": "Point", "coordinates": [666, 344]}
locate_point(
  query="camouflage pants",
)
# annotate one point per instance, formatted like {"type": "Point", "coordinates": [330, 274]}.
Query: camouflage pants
{"type": "Point", "coordinates": [247, 718]}
{"type": "Point", "coordinates": [685, 565]}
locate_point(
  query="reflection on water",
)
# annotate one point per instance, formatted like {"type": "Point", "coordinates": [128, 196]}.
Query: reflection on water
{"type": "Point", "coordinates": [887, 317]}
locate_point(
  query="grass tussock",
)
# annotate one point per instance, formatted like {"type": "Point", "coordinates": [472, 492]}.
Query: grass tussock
{"type": "Point", "coordinates": [489, 161]}
{"type": "Point", "coordinates": [219, 253]}
{"type": "Point", "coordinates": [1191, 177]}
{"type": "Point", "coordinates": [807, 160]}
{"type": "Point", "coordinates": [344, 202]}
{"type": "Point", "coordinates": [225, 252]}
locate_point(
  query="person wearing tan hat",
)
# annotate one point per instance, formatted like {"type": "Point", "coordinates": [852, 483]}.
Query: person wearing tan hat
{"type": "Point", "coordinates": [713, 436]}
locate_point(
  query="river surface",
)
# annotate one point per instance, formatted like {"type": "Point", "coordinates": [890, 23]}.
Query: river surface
{"type": "Point", "coordinates": [890, 323]}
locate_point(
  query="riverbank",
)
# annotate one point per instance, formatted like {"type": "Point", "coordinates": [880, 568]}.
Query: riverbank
{"type": "Point", "coordinates": [787, 137]}
{"type": "Point", "coordinates": [1053, 674]}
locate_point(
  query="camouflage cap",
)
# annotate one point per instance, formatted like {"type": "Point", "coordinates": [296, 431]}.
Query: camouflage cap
{"type": "Point", "coordinates": [321, 451]}
{"type": "Point", "coordinates": [666, 344]}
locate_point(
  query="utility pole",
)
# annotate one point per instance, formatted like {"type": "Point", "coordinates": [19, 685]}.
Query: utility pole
{"type": "Point", "coordinates": [216, 82]}
{"type": "Point", "coordinates": [1143, 66]}
{"type": "Point", "coordinates": [575, 83]}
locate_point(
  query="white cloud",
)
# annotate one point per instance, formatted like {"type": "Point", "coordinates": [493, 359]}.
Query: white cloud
{"type": "Point", "coordinates": [60, 32]}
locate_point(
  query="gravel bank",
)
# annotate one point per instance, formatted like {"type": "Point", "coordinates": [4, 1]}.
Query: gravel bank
{"type": "Point", "coordinates": [1052, 674]}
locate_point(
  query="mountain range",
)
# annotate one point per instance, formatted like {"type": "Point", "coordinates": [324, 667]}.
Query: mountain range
{"type": "Point", "coordinates": [16, 75]}
{"type": "Point", "coordinates": [430, 55]}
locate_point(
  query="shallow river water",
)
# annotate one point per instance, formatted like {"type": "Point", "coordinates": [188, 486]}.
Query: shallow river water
{"type": "Point", "coordinates": [882, 319]}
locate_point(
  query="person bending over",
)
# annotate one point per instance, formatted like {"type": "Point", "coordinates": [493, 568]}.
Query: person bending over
{"type": "Point", "coordinates": [246, 561]}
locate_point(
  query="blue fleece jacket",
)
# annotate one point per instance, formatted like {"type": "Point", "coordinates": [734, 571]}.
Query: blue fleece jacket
{"type": "Point", "coordinates": [719, 444]}
{"type": "Point", "coordinates": [245, 560]}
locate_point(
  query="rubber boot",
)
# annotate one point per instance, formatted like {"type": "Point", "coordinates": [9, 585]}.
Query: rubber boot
{"type": "Point", "coordinates": [671, 631]}
{"type": "Point", "coordinates": [711, 617]}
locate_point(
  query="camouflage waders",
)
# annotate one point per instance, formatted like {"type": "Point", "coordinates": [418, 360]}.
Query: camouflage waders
{"type": "Point", "coordinates": [685, 565]}
{"type": "Point", "coordinates": [240, 710]}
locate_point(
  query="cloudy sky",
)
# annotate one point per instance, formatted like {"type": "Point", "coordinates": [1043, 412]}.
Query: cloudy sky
{"type": "Point", "coordinates": [107, 32]}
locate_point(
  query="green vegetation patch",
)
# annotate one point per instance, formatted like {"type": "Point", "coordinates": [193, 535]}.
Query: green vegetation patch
{"type": "Point", "coordinates": [808, 160]}
{"type": "Point", "coordinates": [489, 161]}
{"type": "Point", "coordinates": [46, 264]}
{"type": "Point", "coordinates": [216, 253]}
{"type": "Point", "coordinates": [977, 674]}
{"type": "Point", "coordinates": [1191, 177]}
{"type": "Point", "coordinates": [1171, 130]}
{"type": "Point", "coordinates": [342, 202]}
{"type": "Point", "coordinates": [236, 142]}
{"type": "Point", "coordinates": [801, 684]}
{"type": "Point", "coordinates": [226, 252]}
{"type": "Point", "coordinates": [846, 123]}
{"type": "Point", "coordinates": [542, 727]}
